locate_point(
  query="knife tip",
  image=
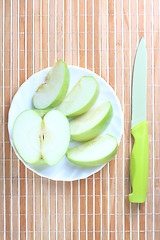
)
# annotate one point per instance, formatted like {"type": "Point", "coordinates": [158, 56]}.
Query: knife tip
{"type": "Point", "coordinates": [142, 45]}
{"type": "Point", "coordinates": [142, 41]}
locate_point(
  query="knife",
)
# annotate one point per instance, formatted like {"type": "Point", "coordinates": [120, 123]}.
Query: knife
{"type": "Point", "coordinates": [139, 128]}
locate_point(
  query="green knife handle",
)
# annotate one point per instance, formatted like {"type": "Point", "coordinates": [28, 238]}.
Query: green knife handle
{"type": "Point", "coordinates": [139, 163]}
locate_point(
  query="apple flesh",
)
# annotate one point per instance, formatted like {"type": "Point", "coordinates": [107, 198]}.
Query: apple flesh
{"type": "Point", "coordinates": [90, 124]}
{"type": "Point", "coordinates": [41, 139]}
{"type": "Point", "coordinates": [95, 152]}
{"type": "Point", "coordinates": [81, 98]}
{"type": "Point", "coordinates": [53, 90]}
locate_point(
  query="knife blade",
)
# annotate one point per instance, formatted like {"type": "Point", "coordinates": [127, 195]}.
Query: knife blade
{"type": "Point", "coordinates": [139, 128]}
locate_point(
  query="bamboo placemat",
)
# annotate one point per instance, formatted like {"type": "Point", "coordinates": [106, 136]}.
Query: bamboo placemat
{"type": "Point", "coordinates": [102, 36]}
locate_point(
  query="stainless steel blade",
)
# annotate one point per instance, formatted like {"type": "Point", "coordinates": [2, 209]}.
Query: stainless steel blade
{"type": "Point", "coordinates": [139, 85]}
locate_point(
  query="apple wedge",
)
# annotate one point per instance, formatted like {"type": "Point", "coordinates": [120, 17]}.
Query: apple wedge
{"type": "Point", "coordinates": [41, 137]}
{"type": "Point", "coordinates": [90, 124]}
{"type": "Point", "coordinates": [94, 153]}
{"type": "Point", "coordinates": [53, 90]}
{"type": "Point", "coordinates": [81, 98]}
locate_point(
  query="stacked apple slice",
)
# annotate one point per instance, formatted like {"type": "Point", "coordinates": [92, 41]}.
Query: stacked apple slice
{"type": "Point", "coordinates": [81, 98]}
{"type": "Point", "coordinates": [90, 124]}
{"type": "Point", "coordinates": [43, 136]}
{"type": "Point", "coordinates": [94, 153]}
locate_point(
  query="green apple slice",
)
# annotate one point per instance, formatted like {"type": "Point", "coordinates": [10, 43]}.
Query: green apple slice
{"type": "Point", "coordinates": [51, 92]}
{"type": "Point", "coordinates": [56, 132]}
{"type": "Point", "coordinates": [26, 132]}
{"type": "Point", "coordinates": [94, 153]}
{"type": "Point", "coordinates": [41, 139]}
{"type": "Point", "coordinates": [81, 98]}
{"type": "Point", "coordinates": [90, 124]}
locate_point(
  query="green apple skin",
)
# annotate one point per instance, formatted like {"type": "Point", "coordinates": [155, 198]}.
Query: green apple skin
{"type": "Point", "coordinates": [64, 88]}
{"type": "Point", "coordinates": [94, 131]}
{"type": "Point", "coordinates": [83, 109]}
{"type": "Point", "coordinates": [63, 91]}
{"type": "Point", "coordinates": [94, 162]}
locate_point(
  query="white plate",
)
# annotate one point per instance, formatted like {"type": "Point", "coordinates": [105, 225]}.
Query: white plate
{"type": "Point", "coordinates": [65, 170]}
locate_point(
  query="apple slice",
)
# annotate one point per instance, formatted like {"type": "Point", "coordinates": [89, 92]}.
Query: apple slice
{"type": "Point", "coordinates": [90, 124]}
{"type": "Point", "coordinates": [26, 132]}
{"type": "Point", "coordinates": [41, 138]}
{"type": "Point", "coordinates": [53, 90]}
{"type": "Point", "coordinates": [56, 140]}
{"type": "Point", "coordinates": [94, 153]}
{"type": "Point", "coordinates": [81, 98]}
